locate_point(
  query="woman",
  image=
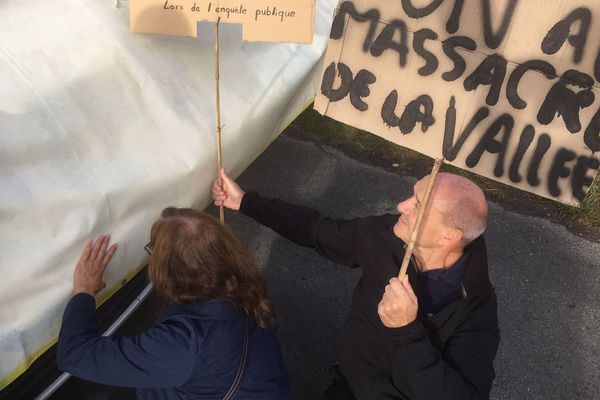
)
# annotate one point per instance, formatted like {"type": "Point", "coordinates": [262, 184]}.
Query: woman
{"type": "Point", "coordinates": [217, 308]}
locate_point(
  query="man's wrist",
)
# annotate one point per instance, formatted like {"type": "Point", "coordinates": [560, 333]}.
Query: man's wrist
{"type": "Point", "coordinates": [408, 333]}
{"type": "Point", "coordinates": [243, 200]}
{"type": "Point", "coordinates": [84, 290]}
{"type": "Point", "coordinates": [239, 204]}
{"type": "Point", "coordinates": [399, 323]}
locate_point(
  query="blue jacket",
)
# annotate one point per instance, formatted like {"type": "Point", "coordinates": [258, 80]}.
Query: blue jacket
{"type": "Point", "coordinates": [193, 352]}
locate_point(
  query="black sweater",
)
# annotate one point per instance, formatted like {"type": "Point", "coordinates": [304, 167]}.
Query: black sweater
{"type": "Point", "coordinates": [447, 356]}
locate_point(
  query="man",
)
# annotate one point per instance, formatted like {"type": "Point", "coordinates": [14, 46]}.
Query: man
{"type": "Point", "coordinates": [432, 336]}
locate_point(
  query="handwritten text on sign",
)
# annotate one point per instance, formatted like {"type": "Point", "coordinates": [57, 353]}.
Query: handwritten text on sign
{"type": "Point", "coordinates": [506, 88]}
{"type": "Point", "coordinates": [265, 21]}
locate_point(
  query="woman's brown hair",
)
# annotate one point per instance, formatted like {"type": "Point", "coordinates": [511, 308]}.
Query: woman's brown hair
{"type": "Point", "coordinates": [194, 257]}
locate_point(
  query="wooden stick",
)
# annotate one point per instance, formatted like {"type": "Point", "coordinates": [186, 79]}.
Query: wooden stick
{"type": "Point", "coordinates": [422, 209]}
{"type": "Point", "coordinates": [218, 108]}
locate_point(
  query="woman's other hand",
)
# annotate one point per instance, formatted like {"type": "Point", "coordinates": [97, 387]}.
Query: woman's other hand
{"type": "Point", "coordinates": [88, 272]}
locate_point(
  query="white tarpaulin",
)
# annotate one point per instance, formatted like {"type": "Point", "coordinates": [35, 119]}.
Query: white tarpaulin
{"type": "Point", "coordinates": [102, 128]}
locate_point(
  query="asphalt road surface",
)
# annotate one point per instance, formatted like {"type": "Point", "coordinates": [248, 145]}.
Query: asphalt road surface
{"type": "Point", "coordinates": [547, 280]}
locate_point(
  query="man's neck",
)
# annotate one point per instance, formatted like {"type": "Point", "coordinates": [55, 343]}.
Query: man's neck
{"type": "Point", "coordinates": [430, 259]}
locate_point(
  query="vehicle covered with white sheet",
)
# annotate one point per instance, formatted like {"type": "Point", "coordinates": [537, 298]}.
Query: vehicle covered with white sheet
{"type": "Point", "coordinates": [101, 128]}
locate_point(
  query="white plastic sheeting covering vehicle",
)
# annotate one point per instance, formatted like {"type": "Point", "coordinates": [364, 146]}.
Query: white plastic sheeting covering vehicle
{"type": "Point", "coordinates": [100, 129]}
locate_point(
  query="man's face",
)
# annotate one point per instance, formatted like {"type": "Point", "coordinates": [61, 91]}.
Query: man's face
{"type": "Point", "coordinates": [433, 226]}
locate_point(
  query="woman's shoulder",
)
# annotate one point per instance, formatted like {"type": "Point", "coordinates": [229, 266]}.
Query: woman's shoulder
{"type": "Point", "coordinates": [213, 309]}
{"type": "Point", "coordinates": [200, 322]}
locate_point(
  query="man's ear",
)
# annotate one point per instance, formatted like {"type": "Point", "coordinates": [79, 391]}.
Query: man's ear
{"type": "Point", "coordinates": [453, 236]}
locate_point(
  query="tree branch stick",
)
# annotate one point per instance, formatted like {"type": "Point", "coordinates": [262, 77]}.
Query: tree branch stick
{"type": "Point", "coordinates": [218, 109]}
{"type": "Point", "coordinates": [424, 203]}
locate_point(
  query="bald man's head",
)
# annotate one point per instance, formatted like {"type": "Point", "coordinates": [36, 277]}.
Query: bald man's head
{"type": "Point", "coordinates": [462, 203]}
{"type": "Point", "coordinates": [456, 214]}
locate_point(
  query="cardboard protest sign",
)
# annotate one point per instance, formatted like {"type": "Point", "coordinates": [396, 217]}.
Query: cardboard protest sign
{"type": "Point", "coordinates": [290, 21]}
{"type": "Point", "coordinates": [506, 88]}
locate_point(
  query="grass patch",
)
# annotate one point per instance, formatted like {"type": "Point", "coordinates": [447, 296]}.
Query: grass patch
{"type": "Point", "coordinates": [590, 210]}
{"type": "Point", "coordinates": [367, 147]}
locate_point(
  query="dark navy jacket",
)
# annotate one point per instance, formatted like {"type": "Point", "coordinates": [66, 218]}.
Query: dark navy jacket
{"type": "Point", "coordinates": [193, 352]}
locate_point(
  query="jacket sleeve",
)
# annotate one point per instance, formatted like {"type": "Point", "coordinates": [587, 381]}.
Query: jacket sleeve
{"type": "Point", "coordinates": [162, 356]}
{"type": "Point", "coordinates": [464, 370]}
{"type": "Point", "coordinates": [335, 239]}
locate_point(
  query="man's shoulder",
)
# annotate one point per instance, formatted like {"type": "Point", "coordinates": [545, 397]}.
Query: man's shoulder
{"type": "Point", "coordinates": [379, 222]}
{"type": "Point", "coordinates": [477, 280]}
{"type": "Point", "coordinates": [369, 226]}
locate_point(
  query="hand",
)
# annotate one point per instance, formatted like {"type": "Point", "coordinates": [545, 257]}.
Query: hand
{"type": "Point", "coordinates": [87, 277]}
{"type": "Point", "coordinates": [398, 306]}
{"type": "Point", "coordinates": [228, 193]}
